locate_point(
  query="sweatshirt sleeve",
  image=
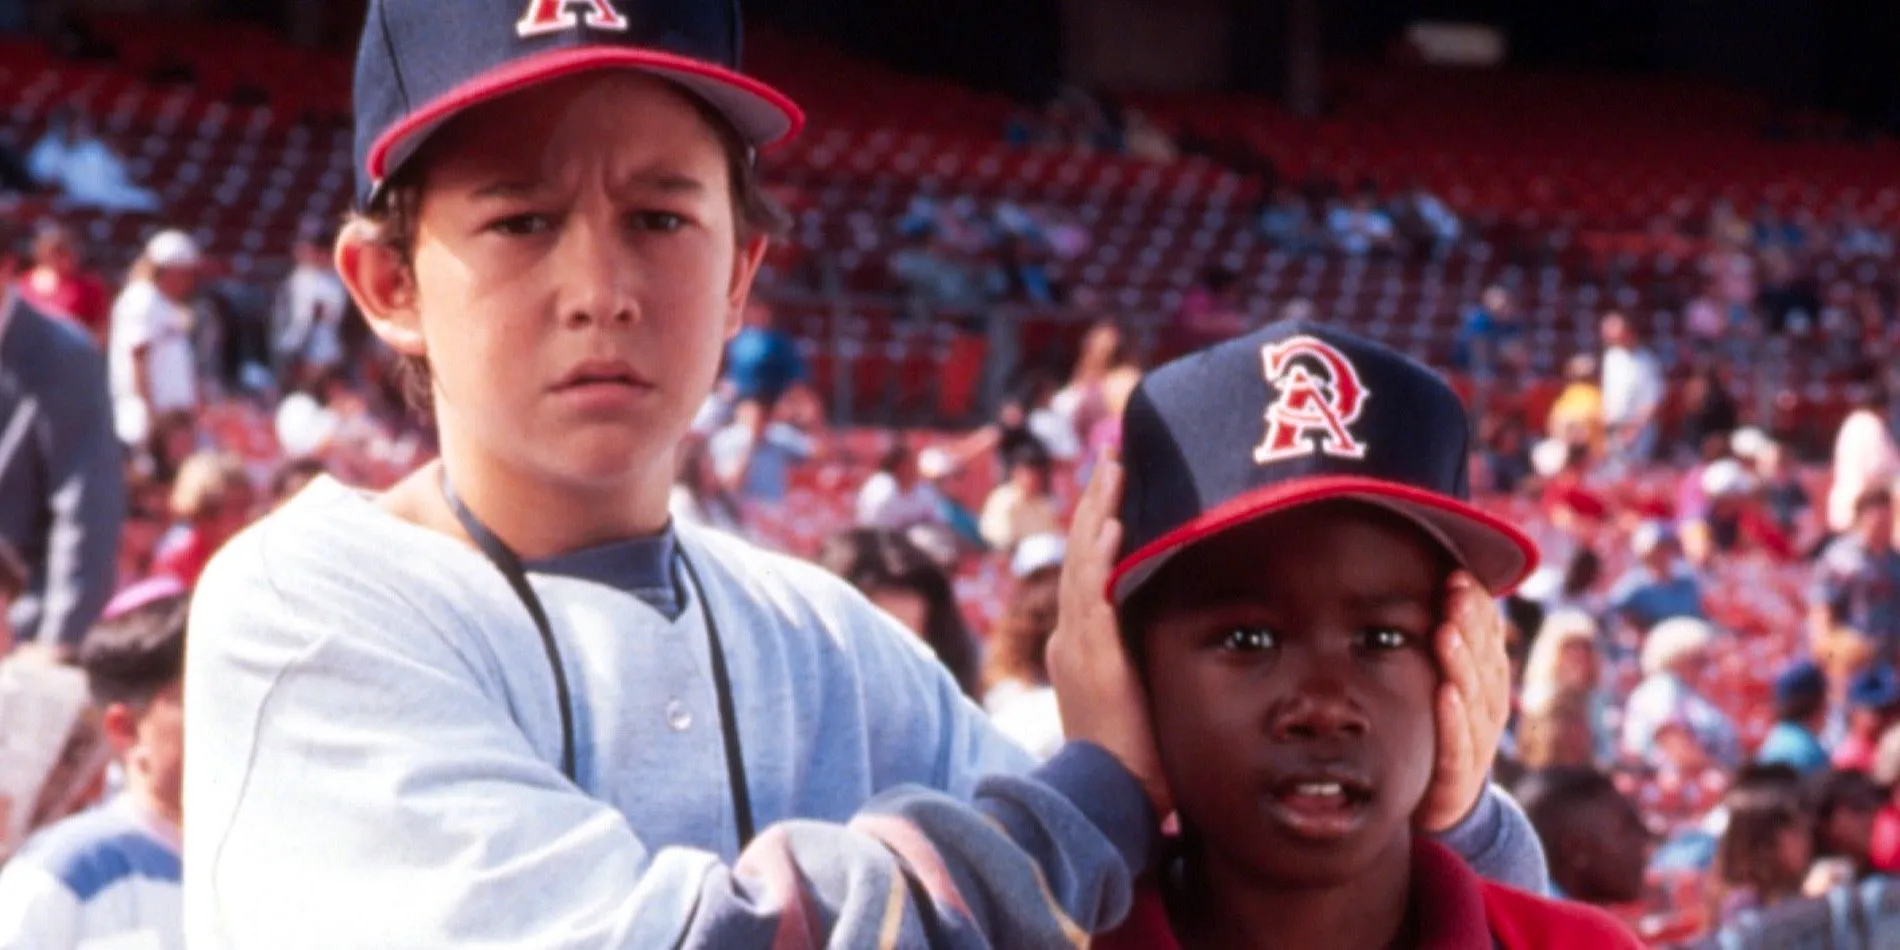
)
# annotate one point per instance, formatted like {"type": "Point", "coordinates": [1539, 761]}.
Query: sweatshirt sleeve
{"type": "Point", "coordinates": [356, 781]}
{"type": "Point", "coordinates": [1497, 840]}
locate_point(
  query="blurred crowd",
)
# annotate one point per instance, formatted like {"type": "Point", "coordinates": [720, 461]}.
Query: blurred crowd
{"type": "Point", "coordinates": [1708, 715]}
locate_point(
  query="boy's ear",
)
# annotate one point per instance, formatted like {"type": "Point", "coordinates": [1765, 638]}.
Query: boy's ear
{"type": "Point", "coordinates": [383, 286]}
{"type": "Point", "coordinates": [745, 268]}
{"type": "Point", "coordinates": [120, 725]}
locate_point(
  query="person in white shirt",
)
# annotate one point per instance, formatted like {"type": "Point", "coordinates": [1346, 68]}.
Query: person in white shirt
{"type": "Point", "coordinates": [897, 497]}
{"type": "Point", "coordinates": [1023, 505]}
{"type": "Point", "coordinates": [1016, 690]}
{"type": "Point", "coordinates": [1864, 456]}
{"type": "Point", "coordinates": [71, 158]}
{"type": "Point", "coordinates": [112, 876]}
{"type": "Point", "coordinates": [1632, 390]}
{"type": "Point", "coordinates": [152, 365]}
{"type": "Point", "coordinates": [310, 306]}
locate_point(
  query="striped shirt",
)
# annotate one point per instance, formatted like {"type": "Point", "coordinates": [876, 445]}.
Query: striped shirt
{"type": "Point", "coordinates": [108, 878]}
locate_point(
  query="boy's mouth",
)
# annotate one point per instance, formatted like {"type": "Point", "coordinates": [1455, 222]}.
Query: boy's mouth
{"type": "Point", "coordinates": [615, 373]}
{"type": "Point", "coordinates": [1322, 805]}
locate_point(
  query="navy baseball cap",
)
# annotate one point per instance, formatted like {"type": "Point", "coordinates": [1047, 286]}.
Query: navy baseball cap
{"type": "Point", "coordinates": [1801, 680]}
{"type": "Point", "coordinates": [421, 62]}
{"type": "Point", "coordinates": [1289, 415]}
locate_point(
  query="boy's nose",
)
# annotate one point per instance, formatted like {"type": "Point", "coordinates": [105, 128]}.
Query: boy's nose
{"type": "Point", "coordinates": [596, 282]}
{"type": "Point", "coordinates": [1320, 710]}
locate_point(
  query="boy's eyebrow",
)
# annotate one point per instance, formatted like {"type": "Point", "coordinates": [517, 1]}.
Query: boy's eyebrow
{"type": "Point", "coordinates": [671, 183]}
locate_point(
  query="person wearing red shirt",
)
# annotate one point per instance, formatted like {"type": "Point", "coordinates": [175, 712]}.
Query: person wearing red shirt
{"type": "Point", "coordinates": [57, 284]}
{"type": "Point", "coordinates": [212, 500]}
{"type": "Point", "coordinates": [1295, 542]}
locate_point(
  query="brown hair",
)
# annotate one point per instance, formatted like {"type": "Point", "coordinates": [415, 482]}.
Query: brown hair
{"type": "Point", "coordinates": [1021, 634]}
{"type": "Point", "coordinates": [1749, 854]}
{"type": "Point", "coordinates": [396, 216]}
{"type": "Point", "coordinates": [132, 657]}
{"type": "Point", "coordinates": [1542, 730]}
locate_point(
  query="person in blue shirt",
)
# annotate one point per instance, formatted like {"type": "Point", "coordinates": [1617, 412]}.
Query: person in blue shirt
{"type": "Point", "coordinates": [1800, 714]}
{"type": "Point", "coordinates": [1659, 587]}
{"type": "Point", "coordinates": [762, 361]}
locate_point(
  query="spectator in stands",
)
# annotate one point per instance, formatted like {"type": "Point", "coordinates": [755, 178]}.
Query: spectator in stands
{"type": "Point", "coordinates": [1845, 805]}
{"type": "Point", "coordinates": [1675, 660]}
{"type": "Point", "coordinates": [62, 485]}
{"type": "Point", "coordinates": [1857, 578]}
{"type": "Point", "coordinates": [1632, 391]}
{"type": "Point", "coordinates": [1565, 657]}
{"type": "Point", "coordinates": [1106, 360]}
{"type": "Point", "coordinates": [1659, 586]}
{"type": "Point", "coordinates": [293, 476]}
{"type": "Point", "coordinates": [904, 582]}
{"type": "Point", "coordinates": [936, 272]}
{"type": "Point", "coordinates": [1709, 409]}
{"type": "Point", "coordinates": [1211, 311]}
{"type": "Point", "coordinates": [112, 874]}
{"type": "Point", "coordinates": [1024, 504]}
{"type": "Point", "coordinates": [1358, 228]}
{"type": "Point", "coordinates": [1873, 707]}
{"type": "Point", "coordinates": [58, 283]}
{"type": "Point", "coordinates": [1557, 730]}
{"type": "Point", "coordinates": [754, 455]}
{"type": "Point", "coordinates": [212, 501]}
{"type": "Point", "coordinates": [1787, 301]}
{"type": "Point", "coordinates": [698, 497]}
{"type": "Point", "coordinates": [1594, 836]}
{"type": "Point", "coordinates": [1016, 691]}
{"type": "Point", "coordinates": [1576, 418]}
{"type": "Point", "coordinates": [1784, 498]}
{"type": "Point", "coordinates": [1764, 852]}
{"type": "Point", "coordinates": [1800, 716]}
{"type": "Point", "coordinates": [1287, 221]}
{"type": "Point", "coordinates": [896, 497]}
{"type": "Point", "coordinates": [72, 158]}
{"type": "Point", "coordinates": [154, 367]}
{"type": "Point", "coordinates": [1734, 521]}
{"type": "Point", "coordinates": [307, 325]}
{"type": "Point", "coordinates": [1426, 222]}
{"type": "Point", "coordinates": [1864, 454]}
{"type": "Point", "coordinates": [762, 361]}
{"type": "Point", "coordinates": [1883, 848]}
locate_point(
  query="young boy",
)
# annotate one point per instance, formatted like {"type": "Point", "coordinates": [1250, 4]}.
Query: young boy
{"type": "Point", "coordinates": [112, 874]}
{"type": "Point", "coordinates": [506, 702]}
{"type": "Point", "coordinates": [1296, 530]}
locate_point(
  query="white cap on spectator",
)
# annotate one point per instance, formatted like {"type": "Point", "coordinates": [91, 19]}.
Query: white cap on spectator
{"type": "Point", "coordinates": [933, 463]}
{"type": "Point", "coordinates": [1749, 442]}
{"type": "Point", "coordinates": [1648, 535]}
{"type": "Point", "coordinates": [1038, 552]}
{"type": "Point", "coordinates": [1726, 478]}
{"type": "Point", "coordinates": [172, 249]}
{"type": "Point", "coordinates": [1549, 457]}
{"type": "Point", "coordinates": [303, 426]}
{"type": "Point", "coordinates": [1673, 640]}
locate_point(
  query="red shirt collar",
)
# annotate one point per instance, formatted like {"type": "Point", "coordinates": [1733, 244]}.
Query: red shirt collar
{"type": "Point", "coordinates": [1447, 897]}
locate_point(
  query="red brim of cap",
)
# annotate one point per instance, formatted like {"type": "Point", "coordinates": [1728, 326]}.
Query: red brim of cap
{"type": "Point", "coordinates": [1492, 549]}
{"type": "Point", "coordinates": [764, 116]}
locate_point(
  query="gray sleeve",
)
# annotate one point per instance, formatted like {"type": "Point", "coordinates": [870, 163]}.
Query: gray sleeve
{"type": "Point", "coordinates": [333, 720]}
{"type": "Point", "coordinates": [1497, 840]}
{"type": "Point", "coordinates": [87, 504]}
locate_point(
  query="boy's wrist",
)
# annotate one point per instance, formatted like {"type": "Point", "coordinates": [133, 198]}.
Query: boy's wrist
{"type": "Point", "coordinates": [1109, 795]}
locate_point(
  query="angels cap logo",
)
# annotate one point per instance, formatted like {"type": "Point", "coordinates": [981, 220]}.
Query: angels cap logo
{"type": "Point", "coordinates": [1319, 397]}
{"type": "Point", "coordinates": [553, 16]}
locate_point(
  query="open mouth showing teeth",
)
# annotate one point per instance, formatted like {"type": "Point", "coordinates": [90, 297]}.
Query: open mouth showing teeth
{"type": "Point", "coordinates": [1322, 794]}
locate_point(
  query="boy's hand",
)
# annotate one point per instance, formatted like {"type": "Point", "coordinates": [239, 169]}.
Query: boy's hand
{"type": "Point", "coordinates": [1096, 689]}
{"type": "Point", "coordinates": [1474, 702]}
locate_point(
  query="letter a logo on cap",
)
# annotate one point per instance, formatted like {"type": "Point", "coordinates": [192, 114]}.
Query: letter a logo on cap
{"type": "Point", "coordinates": [1319, 398]}
{"type": "Point", "coordinates": [553, 16]}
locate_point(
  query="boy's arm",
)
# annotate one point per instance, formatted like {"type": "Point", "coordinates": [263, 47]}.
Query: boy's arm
{"type": "Point", "coordinates": [331, 722]}
{"type": "Point", "coordinates": [1497, 840]}
{"type": "Point", "coordinates": [36, 910]}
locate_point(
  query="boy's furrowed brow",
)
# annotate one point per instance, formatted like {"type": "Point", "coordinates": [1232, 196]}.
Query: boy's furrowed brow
{"type": "Point", "coordinates": [666, 183]}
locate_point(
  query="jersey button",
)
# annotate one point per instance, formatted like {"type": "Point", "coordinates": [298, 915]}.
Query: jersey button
{"type": "Point", "coordinates": [678, 716]}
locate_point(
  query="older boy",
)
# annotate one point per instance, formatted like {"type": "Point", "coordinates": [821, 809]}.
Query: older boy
{"type": "Point", "coordinates": [1296, 529]}
{"type": "Point", "coordinates": [507, 703]}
